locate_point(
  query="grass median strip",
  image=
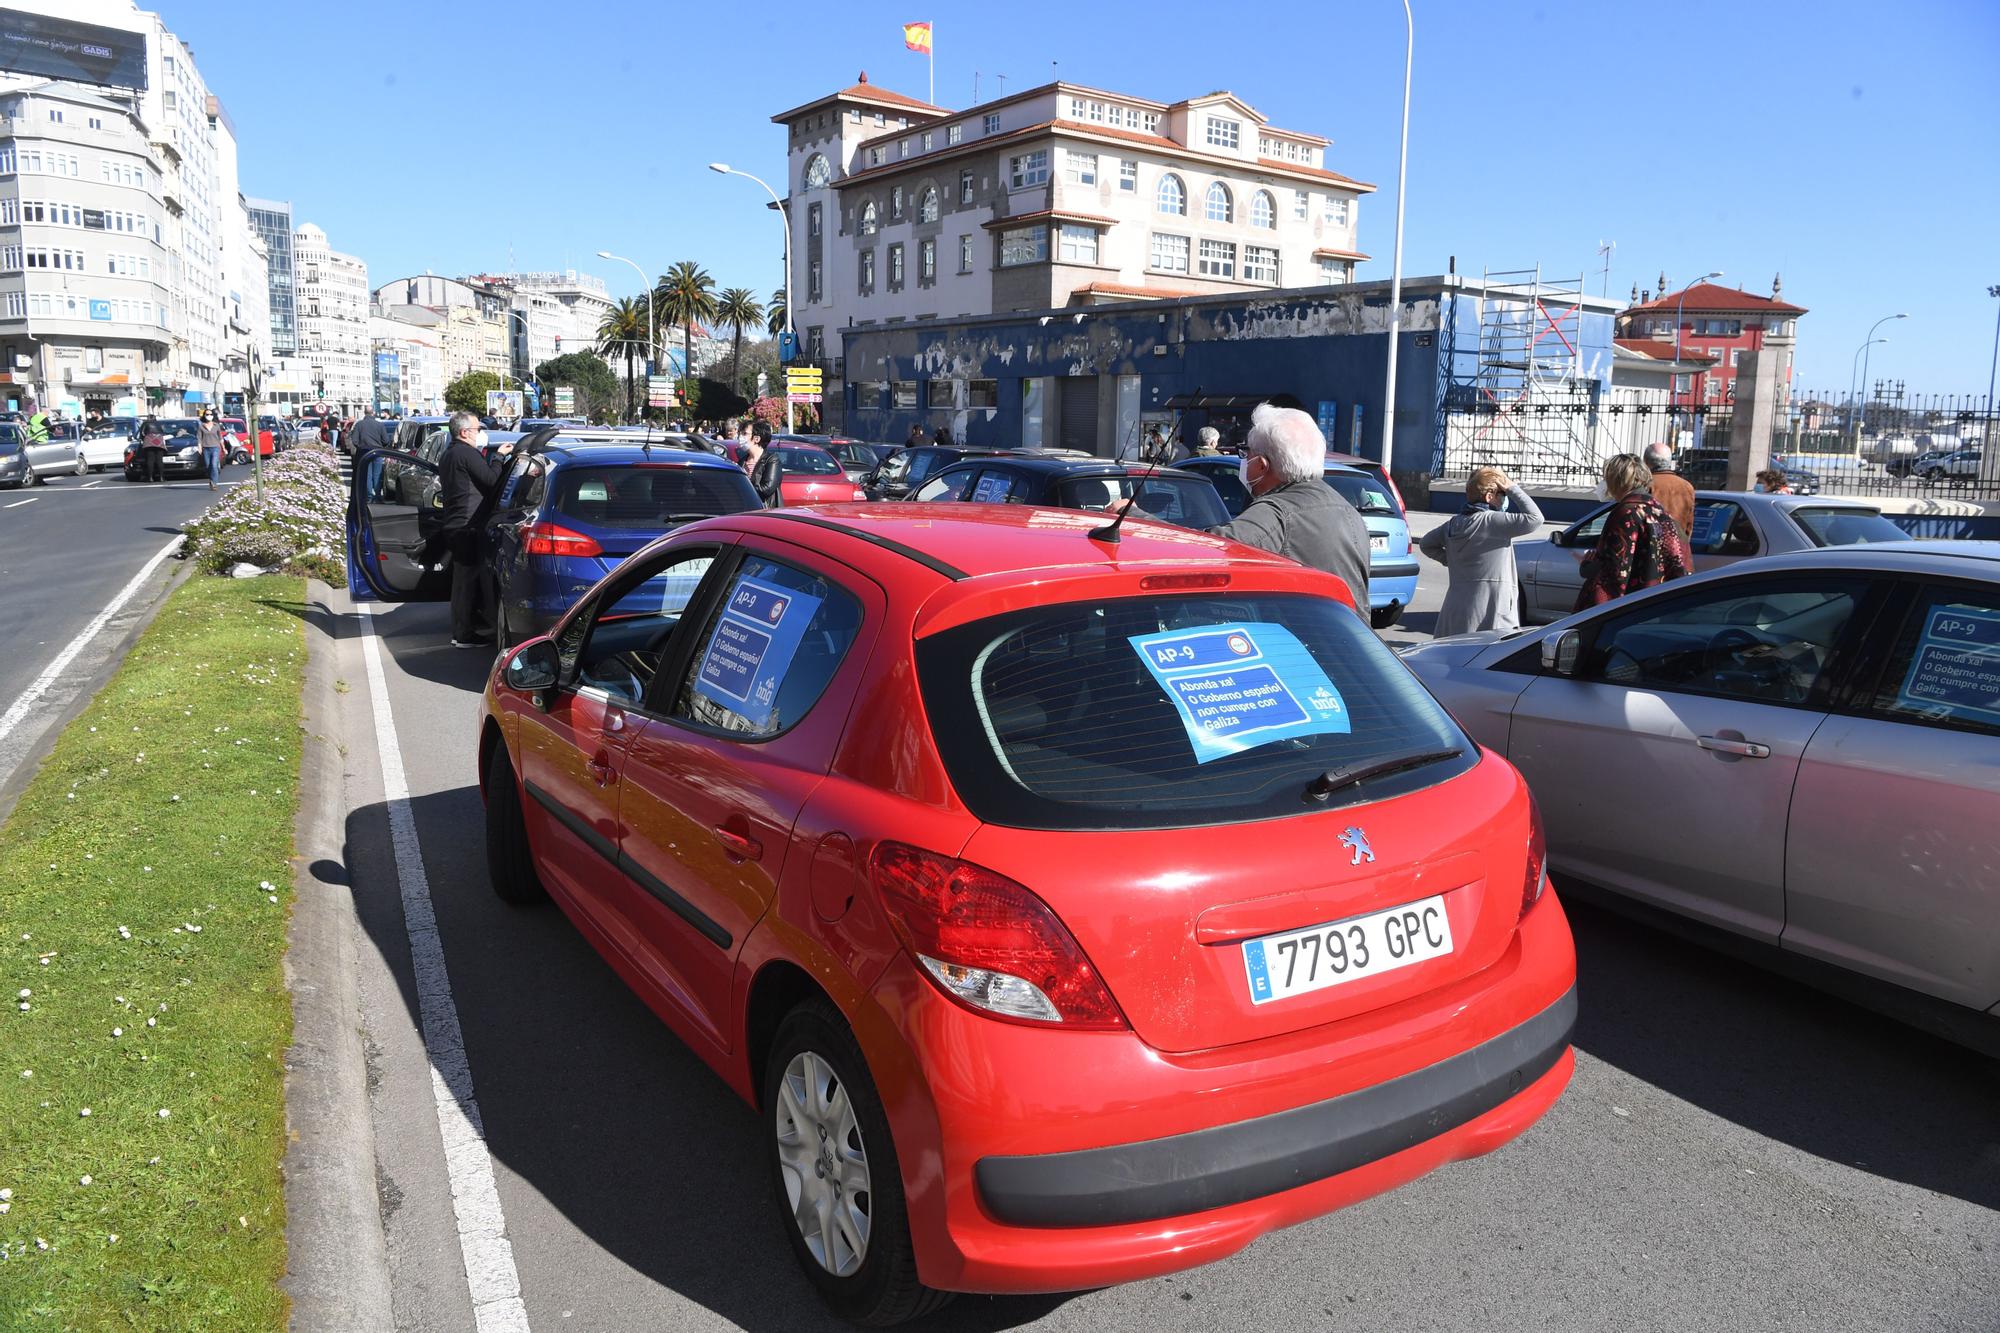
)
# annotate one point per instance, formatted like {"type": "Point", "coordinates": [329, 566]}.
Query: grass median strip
{"type": "Point", "coordinates": [144, 888]}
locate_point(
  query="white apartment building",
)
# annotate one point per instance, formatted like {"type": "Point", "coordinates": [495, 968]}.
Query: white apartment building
{"type": "Point", "coordinates": [580, 304]}
{"type": "Point", "coordinates": [86, 305]}
{"type": "Point", "coordinates": [418, 352]}
{"type": "Point", "coordinates": [332, 295]}
{"type": "Point", "coordinates": [1058, 195]}
{"type": "Point", "coordinates": [243, 271]}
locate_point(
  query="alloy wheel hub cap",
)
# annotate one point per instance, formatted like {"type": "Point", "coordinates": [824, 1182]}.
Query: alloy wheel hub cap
{"type": "Point", "coordinates": [824, 1164]}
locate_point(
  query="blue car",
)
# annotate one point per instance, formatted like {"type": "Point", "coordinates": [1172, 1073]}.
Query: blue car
{"type": "Point", "coordinates": [569, 510]}
{"type": "Point", "coordinates": [1392, 570]}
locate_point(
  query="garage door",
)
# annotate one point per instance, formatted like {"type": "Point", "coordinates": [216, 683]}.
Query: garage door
{"type": "Point", "coordinates": [1079, 413]}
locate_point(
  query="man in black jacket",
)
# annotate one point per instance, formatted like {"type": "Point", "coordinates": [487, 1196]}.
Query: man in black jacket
{"type": "Point", "coordinates": [370, 433]}
{"type": "Point", "coordinates": [469, 483]}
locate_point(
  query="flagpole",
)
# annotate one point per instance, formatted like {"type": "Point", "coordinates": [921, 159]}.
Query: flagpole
{"type": "Point", "coordinates": [932, 53]}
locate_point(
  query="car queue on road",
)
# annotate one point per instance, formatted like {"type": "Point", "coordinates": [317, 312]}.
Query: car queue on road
{"type": "Point", "coordinates": [864, 800]}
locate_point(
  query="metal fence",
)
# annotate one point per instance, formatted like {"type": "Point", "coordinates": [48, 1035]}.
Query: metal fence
{"type": "Point", "coordinates": [1917, 446]}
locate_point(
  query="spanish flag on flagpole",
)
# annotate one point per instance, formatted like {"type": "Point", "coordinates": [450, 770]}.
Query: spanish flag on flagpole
{"type": "Point", "coordinates": [917, 37]}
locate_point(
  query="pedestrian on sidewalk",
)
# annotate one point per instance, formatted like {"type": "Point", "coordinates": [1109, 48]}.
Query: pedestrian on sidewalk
{"type": "Point", "coordinates": [209, 435]}
{"type": "Point", "coordinates": [916, 437]}
{"type": "Point", "coordinates": [764, 468]}
{"type": "Point", "coordinates": [1477, 546]}
{"type": "Point", "coordinates": [470, 484]}
{"type": "Point", "coordinates": [152, 450]}
{"type": "Point", "coordinates": [1772, 482]}
{"type": "Point", "coordinates": [1674, 492]}
{"type": "Point", "coordinates": [1640, 546]}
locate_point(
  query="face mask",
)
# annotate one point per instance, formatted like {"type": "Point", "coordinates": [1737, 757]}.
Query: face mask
{"type": "Point", "coordinates": [482, 439]}
{"type": "Point", "coordinates": [1600, 491]}
{"type": "Point", "coordinates": [1243, 470]}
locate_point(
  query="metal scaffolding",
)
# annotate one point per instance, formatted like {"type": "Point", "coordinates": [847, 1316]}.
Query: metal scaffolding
{"type": "Point", "coordinates": [1523, 401]}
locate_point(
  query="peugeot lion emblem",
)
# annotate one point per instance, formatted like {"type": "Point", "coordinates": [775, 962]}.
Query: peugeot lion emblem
{"type": "Point", "coordinates": [1354, 840]}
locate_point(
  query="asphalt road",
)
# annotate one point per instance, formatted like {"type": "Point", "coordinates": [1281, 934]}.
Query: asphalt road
{"type": "Point", "coordinates": [67, 549]}
{"type": "Point", "coordinates": [1735, 1152]}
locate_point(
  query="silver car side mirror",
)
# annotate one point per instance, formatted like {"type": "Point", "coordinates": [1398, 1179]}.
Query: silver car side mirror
{"type": "Point", "coordinates": [1561, 651]}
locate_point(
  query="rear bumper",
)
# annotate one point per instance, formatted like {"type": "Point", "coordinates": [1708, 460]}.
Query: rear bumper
{"type": "Point", "coordinates": [1213, 1168]}
{"type": "Point", "coordinates": [1392, 569]}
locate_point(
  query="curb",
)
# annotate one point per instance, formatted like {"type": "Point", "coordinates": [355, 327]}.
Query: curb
{"type": "Point", "coordinates": [337, 1266]}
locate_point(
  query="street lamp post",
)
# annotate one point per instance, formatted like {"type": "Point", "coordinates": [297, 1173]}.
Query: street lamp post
{"type": "Point", "coordinates": [1861, 418]}
{"type": "Point", "coordinates": [786, 219]}
{"type": "Point", "coordinates": [1853, 370]}
{"type": "Point", "coordinates": [1396, 264]}
{"type": "Point", "coordinates": [652, 313]}
{"type": "Point", "coordinates": [1993, 290]}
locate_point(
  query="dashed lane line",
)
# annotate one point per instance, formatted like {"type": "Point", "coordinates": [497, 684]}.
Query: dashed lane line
{"type": "Point", "coordinates": [490, 1274]}
{"type": "Point", "coordinates": [18, 503]}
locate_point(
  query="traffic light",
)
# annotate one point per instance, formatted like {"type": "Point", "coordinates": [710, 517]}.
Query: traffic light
{"type": "Point", "coordinates": [558, 344]}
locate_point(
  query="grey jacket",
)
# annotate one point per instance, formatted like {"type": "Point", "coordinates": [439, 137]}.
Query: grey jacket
{"type": "Point", "coordinates": [1309, 522]}
{"type": "Point", "coordinates": [1477, 546]}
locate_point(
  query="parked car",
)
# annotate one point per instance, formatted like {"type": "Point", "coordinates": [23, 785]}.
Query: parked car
{"type": "Point", "coordinates": [1067, 481]}
{"type": "Point", "coordinates": [811, 474]}
{"type": "Point", "coordinates": [234, 438]}
{"type": "Point", "coordinates": [1710, 471]}
{"type": "Point", "coordinates": [859, 459]}
{"type": "Point", "coordinates": [569, 511]}
{"type": "Point", "coordinates": [1392, 569]}
{"type": "Point", "coordinates": [899, 818]}
{"type": "Point", "coordinates": [183, 454]}
{"type": "Point", "coordinates": [104, 446]}
{"type": "Point", "coordinates": [1728, 526]}
{"type": "Point", "coordinates": [1820, 731]}
{"type": "Point", "coordinates": [1957, 465]}
{"type": "Point", "coordinates": [904, 471]}
{"type": "Point", "coordinates": [25, 464]}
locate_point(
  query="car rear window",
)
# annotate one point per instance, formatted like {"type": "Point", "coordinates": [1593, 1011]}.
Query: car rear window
{"type": "Point", "coordinates": [650, 495]}
{"type": "Point", "coordinates": [807, 462]}
{"type": "Point", "coordinates": [1847, 527]}
{"type": "Point", "coordinates": [1062, 717]}
{"type": "Point", "coordinates": [1364, 492]}
{"type": "Point", "coordinates": [1189, 502]}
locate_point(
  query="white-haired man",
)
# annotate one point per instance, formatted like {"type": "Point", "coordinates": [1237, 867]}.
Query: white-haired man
{"type": "Point", "coordinates": [1294, 512]}
{"type": "Point", "coordinates": [1674, 492]}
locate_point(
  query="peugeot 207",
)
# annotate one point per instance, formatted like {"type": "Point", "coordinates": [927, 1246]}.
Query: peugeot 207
{"type": "Point", "coordinates": [1069, 910]}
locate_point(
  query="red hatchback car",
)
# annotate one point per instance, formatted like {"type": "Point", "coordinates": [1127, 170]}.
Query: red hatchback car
{"type": "Point", "coordinates": [1070, 911]}
{"type": "Point", "coordinates": [811, 475]}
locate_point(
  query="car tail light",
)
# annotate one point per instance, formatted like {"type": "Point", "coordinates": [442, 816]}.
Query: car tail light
{"type": "Point", "coordinates": [1161, 582]}
{"type": "Point", "coordinates": [988, 942]}
{"type": "Point", "coordinates": [860, 494]}
{"type": "Point", "coordinates": [1537, 877]}
{"type": "Point", "coordinates": [555, 539]}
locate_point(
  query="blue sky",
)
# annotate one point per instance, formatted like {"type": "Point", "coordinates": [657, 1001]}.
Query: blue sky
{"type": "Point", "coordinates": [1850, 146]}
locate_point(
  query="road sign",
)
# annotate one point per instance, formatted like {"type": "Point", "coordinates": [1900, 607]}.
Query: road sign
{"type": "Point", "coordinates": [788, 345]}
{"type": "Point", "coordinates": [565, 400]}
{"type": "Point", "coordinates": [660, 391]}
{"type": "Point", "coordinates": [813, 397]}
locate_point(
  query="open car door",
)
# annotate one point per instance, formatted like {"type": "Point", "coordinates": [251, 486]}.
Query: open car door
{"type": "Point", "coordinates": [395, 513]}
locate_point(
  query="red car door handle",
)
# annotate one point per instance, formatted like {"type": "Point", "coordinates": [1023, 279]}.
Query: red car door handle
{"type": "Point", "coordinates": [600, 767]}
{"type": "Point", "coordinates": [740, 845]}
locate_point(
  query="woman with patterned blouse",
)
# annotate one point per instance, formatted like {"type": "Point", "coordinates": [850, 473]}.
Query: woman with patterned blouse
{"type": "Point", "coordinates": [1640, 546]}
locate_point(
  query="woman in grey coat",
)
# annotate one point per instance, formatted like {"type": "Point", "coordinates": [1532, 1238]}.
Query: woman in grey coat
{"type": "Point", "coordinates": [1477, 546]}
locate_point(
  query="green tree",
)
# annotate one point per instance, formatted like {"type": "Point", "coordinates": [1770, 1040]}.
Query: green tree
{"type": "Point", "coordinates": [761, 355]}
{"type": "Point", "coordinates": [774, 312]}
{"type": "Point", "coordinates": [468, 392]}
{"type": "Point", "coordinates": [738, 307]}
{"type": "Point", "coordinates": [625, 326]}
{"type": "Point", "coordinates": [596, 387]}
{"type": "Point", "coordinates": [685, 296]}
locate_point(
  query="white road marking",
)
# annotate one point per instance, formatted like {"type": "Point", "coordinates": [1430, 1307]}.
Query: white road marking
{"type": "Point", "coordinates": [12, 717]}
{"type": "Point", "coordinates": [490, 1275]}
{"type": "Point", "coordinates": [92, 485]}
{"type": "Point", "coordinates": [18, 503]}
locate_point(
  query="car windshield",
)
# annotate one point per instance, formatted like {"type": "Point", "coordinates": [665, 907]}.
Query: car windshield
{"type": "Point", "coordinates": [1189, 502]}
{"type": "Point", "coordinates": [1363, 492]}
{"type": "Point", "coordinates": [649, 495]}
{"type": "Point", "coordinates": [806, 462]}
{"type": "Point", "coordinates": [1174, 712]}
{"type": "Point", "coordinates": [1847, 527]}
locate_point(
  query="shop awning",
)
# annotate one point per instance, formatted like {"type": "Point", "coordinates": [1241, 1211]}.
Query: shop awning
{"type": "Point", "coordinates": [194, 396]}
{"type": "Point", "coordinates": [1238, 401]}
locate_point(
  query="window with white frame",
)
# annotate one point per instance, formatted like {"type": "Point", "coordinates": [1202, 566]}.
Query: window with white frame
{"type": "Point", "coordinates": [1079, 243]}
{"type": "Point", "coordinates": [854, 115]}
{"type": "Point", "coordinates": [1028, 169]}
{"type": "Point", "coordinates": [10, 258]}
{"type": "Point", "coordinates": [1079, 168]}
{"type": "Point", "coordinates": [896, 203]}
{"type": "Point", "coordinates": [815, 282]}
{"type": "Point", "coordinates": [1224, 133]}
{"type": "Point", "coordinates": [1301, 204]}
{"type": "Point", "coordinates": [927, 205]}
{"type": "Point", "coordinates": [1128, 176]}
{"type": "Point", "coordinates": [1150, 122]}
{"type": "Point", "coordinates": [875, 156]}
{"type": "Point", "coordinates": [1260, 263]}
{"type": "Point", "coordinates": [1024, 245]}
{"type": "Point", "coordinates": [1263, 210]}
{"type": "Point", "coordinates": [965, 187]}
{"type": "Point", "coordinates": [927, 260]}
{"type": "Point", "coordinates": [954, 134]}
{"type": "Point", "coordinates": [17, 305]}
{"type": "Point", "coordinates": [1735, 357]}
{"type": "Point", "coordinates": [813, 216]}
{"type": "Point", "coordinates": [871, 221]}
{"type": "Point", "coordinates": [965, 253]}
{"type": "Point", "coordinates": [990, 124]}
{"type": "Point", "coordinates": [1169, 253]}
{"type": "Point", "coordinates": [903, 148]}
{"type": "Point", "coordinates": [867, 271]}
{"type": "Point", "coordinates": [1336, 210]}
{"type": "Point", "coordinates": [1218, 259]}
{"type": "Point", "coordinates": [1171, 196]}
{"type": "Point", "coordinates": [927, 141]}
{"type": "Point", "coordinates": [1218, 206]}
{"type": "Point", "coordinates": [1332, 271]}
{"type": "Point", "coordinates": [896, 267]}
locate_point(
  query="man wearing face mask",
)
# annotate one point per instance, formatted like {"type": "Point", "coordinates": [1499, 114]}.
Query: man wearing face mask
{"type": "Point", "coordinates": [469, 483]}
{"type": "Point", "coordinates": [1293, 511]}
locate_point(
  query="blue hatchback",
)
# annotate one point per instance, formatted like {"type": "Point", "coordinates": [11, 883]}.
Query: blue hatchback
{"type": "Point", "coordinates": [568, 512]}
{"type": "Point", "coordinates": [1392, 570]}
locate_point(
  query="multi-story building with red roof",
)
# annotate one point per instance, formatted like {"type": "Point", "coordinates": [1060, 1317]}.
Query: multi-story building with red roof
{"type": "Point", "coordinates": [1714, 322]}
{"type": "Point", "coordinates": [1060, 195]}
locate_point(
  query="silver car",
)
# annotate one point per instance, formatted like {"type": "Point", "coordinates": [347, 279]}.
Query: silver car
{"type": "Point", "coordinates": [1803, 750]}
{"type": "Point", "coordinates": [25, 464]}
{"type": "Point", "coordinates": [1728, 526]}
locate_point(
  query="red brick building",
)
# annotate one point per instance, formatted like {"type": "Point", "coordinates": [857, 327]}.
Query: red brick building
{"type": "Point", "coordinates": [1715, 322]}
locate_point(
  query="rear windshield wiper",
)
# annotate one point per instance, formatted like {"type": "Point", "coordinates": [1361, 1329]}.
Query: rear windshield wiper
{"type": "Point", "coordinates": [1350, 775]}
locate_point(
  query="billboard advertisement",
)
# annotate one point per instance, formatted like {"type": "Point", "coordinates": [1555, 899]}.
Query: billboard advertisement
{"type": "Point", "coordinates": [80, 52]}
{"type": "Point", "coordinates": [388, 380]}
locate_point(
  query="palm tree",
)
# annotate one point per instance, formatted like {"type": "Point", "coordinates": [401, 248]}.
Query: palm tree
{"type": "Point", "coordinates": [738, 306]}
{"type": "Point", "coordinates": [774, 312]}
{"type": "Point", "coordinates": [624, 326]}
{"type": "Point", "coordinates": [685, 295]}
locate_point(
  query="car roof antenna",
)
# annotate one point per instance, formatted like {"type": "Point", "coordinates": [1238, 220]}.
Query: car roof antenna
{"type": "Point", "coordinates": [1108, 534]}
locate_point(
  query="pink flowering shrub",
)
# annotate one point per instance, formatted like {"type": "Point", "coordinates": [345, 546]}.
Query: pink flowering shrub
{"type": "Point", "coordinates": [298, 529]}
